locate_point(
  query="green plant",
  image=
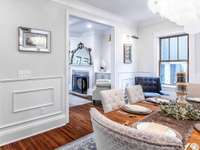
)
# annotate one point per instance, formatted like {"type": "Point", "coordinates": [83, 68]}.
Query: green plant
{"type": "Point", "coordinates": [180, 111]}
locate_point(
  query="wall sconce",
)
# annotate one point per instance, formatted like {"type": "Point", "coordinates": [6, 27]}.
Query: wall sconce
{"type": "Point", "coordinates": [132, 36]}
{"type": "Point", "coordinates": [110, 38]}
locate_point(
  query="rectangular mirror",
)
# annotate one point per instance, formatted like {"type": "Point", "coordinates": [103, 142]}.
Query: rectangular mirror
{"type": "Point", "coordinates": [34, 40]}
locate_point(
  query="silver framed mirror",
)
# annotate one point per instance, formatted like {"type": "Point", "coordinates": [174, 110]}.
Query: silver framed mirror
{"type": "Point", "coordinates": [34, 40]}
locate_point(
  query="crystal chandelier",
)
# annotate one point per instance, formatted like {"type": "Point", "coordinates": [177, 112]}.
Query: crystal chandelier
{"type": "Point", "coordinates": [185, 13]}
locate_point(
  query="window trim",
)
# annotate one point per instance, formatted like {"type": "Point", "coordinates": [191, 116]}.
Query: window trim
{"type": "Point", "coordinates": [178, 60]}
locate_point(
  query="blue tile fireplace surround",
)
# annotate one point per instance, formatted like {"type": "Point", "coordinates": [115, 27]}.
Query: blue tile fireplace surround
{"type": "Point", "coordinates": [80, 81]}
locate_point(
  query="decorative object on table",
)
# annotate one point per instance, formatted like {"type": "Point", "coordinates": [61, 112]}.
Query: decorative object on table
{"type": "Point", "coordinates": [191, 146]}
{"type": "Point", "coordinates": [103, 66]}
{"type": "Point", "coordinates": [34, 40]}
{"type": "Point", "coordinates": [194, 146]}
{"type": "Point", "coordinates": [81, 56]}
{"type": "Point", "coordinates": [136, 109]}
{"type": "Point", "coordinates": [181, 112]}
{"type": "Point", "coordinates": [181, 88]}
{"type": "Point", "coordinates": [128, 53]}
{"type": "Point", "coordinates": [151, 86]}
{"type": "Point", "coordinates": [197, 126]}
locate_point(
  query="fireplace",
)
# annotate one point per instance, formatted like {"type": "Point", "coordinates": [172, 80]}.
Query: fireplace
{"type": "Point", "coordinates": [80, 81]}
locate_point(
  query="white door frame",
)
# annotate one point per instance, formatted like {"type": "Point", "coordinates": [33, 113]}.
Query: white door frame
{"type": "Point", "coordinates": [80, 14]}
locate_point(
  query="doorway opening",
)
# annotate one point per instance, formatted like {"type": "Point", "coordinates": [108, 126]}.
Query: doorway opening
{"type": "Point", "coordinates": [90, 69]}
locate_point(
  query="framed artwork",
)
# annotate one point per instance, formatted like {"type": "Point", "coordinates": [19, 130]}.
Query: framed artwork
{"type": "Point", "coordinates": [34, 40]}
{"type": "Point", "coordinates": [128, 53]}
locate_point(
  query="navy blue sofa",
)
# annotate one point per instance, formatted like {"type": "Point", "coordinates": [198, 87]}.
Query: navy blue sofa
{"type": "Point", "coordinates": [151, 86]}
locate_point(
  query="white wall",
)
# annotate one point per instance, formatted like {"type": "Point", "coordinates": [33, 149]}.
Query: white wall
{"type": "Point", "coordinates": [106, 50]}
{"type": "Point", "coordinates": [45, 73]}
{"type": "Point", "coordinates": [148, 45]}
{"type": "Point", "coordinates": [148, 48]}
{"type": "Point", "coordinates": [21, 114]}
{"type": "Point", "coordinates": [125, 72]}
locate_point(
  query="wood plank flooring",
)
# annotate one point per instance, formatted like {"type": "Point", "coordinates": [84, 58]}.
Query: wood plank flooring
{"type": "Point", "coordinates": [78, 126]}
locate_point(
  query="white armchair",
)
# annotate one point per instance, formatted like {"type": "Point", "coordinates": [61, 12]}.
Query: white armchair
{"type": "Point", "coordinates": [101, 85]}
{"type": "Point", "coordinates": [135, 94]}
{"type": "Point", "coordinates": [112, 99]}
{"type": "Point", "coordinates": [110, 135]}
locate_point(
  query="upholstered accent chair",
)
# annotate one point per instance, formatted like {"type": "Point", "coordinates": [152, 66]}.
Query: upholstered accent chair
{"type": "Point", "coordinates": [112, 99]}
{"type": "Point", "coordinates": [101, 85]}
{"type": "Point", "coordinates": [151, 86]}
{"type": "Point", "coordinates": [135, 94]}
{"type": "Point", "coordinates": [110, 135]}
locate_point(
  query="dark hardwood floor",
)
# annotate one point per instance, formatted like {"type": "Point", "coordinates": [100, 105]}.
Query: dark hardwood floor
{"type": "Point", "coordinates": [78, 126]}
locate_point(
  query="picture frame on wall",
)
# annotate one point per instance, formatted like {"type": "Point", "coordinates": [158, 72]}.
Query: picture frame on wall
{"type": "Point", "coordinates": [34, 40]}
{"type": "Point", "coordinates": [128, 53]}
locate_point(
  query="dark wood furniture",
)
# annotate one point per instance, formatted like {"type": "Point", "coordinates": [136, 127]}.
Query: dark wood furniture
{"type": "Point", "coordinates": [79, 126]}
{"type": "Point", "coordinates": [128, 119]}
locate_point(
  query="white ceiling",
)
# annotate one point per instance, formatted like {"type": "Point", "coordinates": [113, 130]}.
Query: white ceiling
{"type": "Point", "coordinates": [133, 10]}
{"type": "Point", "coordinates": [78, 26]}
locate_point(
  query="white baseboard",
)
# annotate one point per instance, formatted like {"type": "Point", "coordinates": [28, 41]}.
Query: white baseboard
{"type": "Point", "coordinates": [13, 134]}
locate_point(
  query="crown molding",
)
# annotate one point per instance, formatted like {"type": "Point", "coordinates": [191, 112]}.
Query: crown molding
{"type": "Point", "coordinates": [90, 9]}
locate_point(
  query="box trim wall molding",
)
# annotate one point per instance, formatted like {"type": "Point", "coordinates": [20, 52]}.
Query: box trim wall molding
{"type": "Point", "coordinates": [36, 106]}
{"type": "Point", "coordinates": [54, 116]}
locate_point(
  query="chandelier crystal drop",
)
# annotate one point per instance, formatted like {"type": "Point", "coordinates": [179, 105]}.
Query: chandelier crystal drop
{"type": "Point", "coordinates": [185, 13]}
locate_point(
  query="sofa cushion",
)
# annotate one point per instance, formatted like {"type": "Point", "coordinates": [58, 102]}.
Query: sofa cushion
{"type": "Point", "coordinates": [151, 94]}
{"type": "Point", "coordinates": [149, 84]}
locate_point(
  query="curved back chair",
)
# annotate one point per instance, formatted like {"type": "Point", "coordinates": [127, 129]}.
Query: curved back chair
{"type": "Point", "coordinates": [110, 135]}
{"type": "Point", "coordinates": [112, 99]}
{"type": "Point", "coordinates": [135, 94]}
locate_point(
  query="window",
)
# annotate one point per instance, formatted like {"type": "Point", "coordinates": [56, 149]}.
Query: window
{"type": "Point", "coordinates": [174, 57]}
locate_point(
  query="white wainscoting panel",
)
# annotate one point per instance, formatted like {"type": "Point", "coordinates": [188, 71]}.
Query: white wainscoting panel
{"type": "Point", "coordinates": [30, 102]}
{"type": "Point", "coordinates": [32, 99]}
{"type": "Point", "coordinates": [126, 79]}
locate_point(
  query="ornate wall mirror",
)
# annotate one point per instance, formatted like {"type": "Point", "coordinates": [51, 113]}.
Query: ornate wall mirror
{"type": "Point", "coordinates": [81, 55]}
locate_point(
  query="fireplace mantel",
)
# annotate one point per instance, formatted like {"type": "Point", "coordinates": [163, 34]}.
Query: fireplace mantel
{"type": "Point", "coordinates": [85, 68]}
